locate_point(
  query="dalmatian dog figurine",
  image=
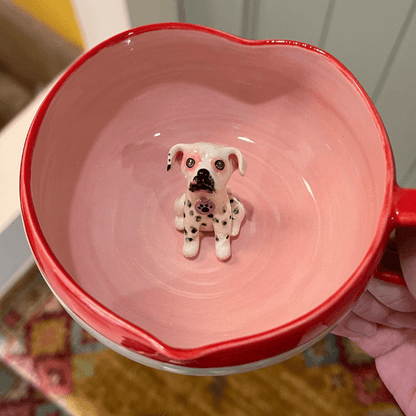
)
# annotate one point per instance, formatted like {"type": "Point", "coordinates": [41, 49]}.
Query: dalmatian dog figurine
{"type": "Point", "coordinates": [207, 205]}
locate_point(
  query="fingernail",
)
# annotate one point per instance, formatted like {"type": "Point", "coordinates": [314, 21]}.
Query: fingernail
{"type": "Point", "coordinates": [362, 328]}
{"type": "Point", "coordinates": [402, 321]}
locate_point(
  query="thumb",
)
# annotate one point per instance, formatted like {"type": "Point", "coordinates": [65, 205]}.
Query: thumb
{"type": "Point", "coordinates": [406, 245]}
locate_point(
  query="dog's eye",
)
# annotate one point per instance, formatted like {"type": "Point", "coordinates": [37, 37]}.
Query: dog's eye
{"type": "Point", "coordinates": [219, 164]}
{"type": "Point", "coordinates": [190, 162]}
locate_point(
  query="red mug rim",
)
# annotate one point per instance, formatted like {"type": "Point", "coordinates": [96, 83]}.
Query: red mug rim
{"type": "Point", "coordinates": [209, 355]}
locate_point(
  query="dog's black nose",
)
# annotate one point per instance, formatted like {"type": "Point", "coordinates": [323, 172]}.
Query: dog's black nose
{"type": "Point", "coordinates": [203, 173]}
{"type": "Point", "coordinates": [203, 181]}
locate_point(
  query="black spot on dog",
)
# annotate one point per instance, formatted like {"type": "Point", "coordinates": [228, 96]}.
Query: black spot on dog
{"type": "Point", "coordinates": [217, 239]}
{"type": "Point", "coordinates": [191, 213]}
{"type": "Point", "coordinates": [189, 204]}
{"type": "Point", "coordinates": [169, 166]}
{"type": "Point", "coordinates": [236, 211]}
{"type": "Point", "coordinates": [216, 220]}
{"type": "Point", "coordinates": [224, 223]}
{"type": "Point", "coordinates": [185, 231]}
{"type": "Point", "coordinates": [184, 215]}
{"type": "Point", "coordinates": [231, 201]}
{"type": "Point", "coordinates": [198, 218]}
{"type": "Point", "coordinates": [231, 217]}
{"type": "Point", "coordinates": [193, 230]}
{"type": "Point", "coordinates": [190, 239]}
{"type": "Point", "coordinates": [227, 237]}
{"type": "Point", "coordinates": [204, 224]}
{"type": "Point", "coordinates": [211, 216]}
{"type": "Point", "coordinates": [224, 210]}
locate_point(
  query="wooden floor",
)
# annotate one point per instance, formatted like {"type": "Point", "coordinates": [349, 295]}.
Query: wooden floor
{"type": "Point", "coordinates": [42, 347]}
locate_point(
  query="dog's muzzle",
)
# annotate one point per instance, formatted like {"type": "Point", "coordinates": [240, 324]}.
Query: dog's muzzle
{"type": "Point", "coordinates": [203, 181]}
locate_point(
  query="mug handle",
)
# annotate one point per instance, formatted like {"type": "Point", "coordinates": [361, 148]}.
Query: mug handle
{"type": "Point", "coordinates": [403, 215]}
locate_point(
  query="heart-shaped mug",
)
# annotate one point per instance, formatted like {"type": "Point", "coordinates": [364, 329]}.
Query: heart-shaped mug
{"type": "Point", "coordinates": [320, 196]}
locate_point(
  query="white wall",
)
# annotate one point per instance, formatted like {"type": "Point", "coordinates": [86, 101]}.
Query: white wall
{"type": "Point", "coordinates": [375, 39]}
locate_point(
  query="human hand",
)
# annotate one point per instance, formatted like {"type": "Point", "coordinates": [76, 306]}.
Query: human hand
{"type": "Point", "coordinates": [383, 324]}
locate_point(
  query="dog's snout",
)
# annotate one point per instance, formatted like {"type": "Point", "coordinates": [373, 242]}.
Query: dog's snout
{"type": "Point", "coordinates": [203, 173]}
{"type": "Point", "coordinates": [203, 181]}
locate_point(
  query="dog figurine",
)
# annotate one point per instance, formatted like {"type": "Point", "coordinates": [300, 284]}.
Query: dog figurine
{"type": "Point", "coordinates": [207, 205]}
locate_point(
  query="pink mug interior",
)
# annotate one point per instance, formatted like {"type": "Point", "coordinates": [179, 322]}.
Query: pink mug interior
{"type": "Point", "coordinates": [314, 189]}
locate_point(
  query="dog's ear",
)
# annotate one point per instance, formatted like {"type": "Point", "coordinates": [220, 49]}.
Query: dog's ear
{"type": "Point", "coordinates": [237, 159]}
{"type": "Point", "coordinates": [175, 155]}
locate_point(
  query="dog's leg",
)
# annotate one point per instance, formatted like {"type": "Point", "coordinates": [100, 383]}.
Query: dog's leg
{"type": "Point", "coordinates": [222, 223]}
{"type": "Point", "coordinates": [178, 207]}
{"type": "Point", "coordinates": [191, 238]}
{"type": "Point", "coordinates": [222, 243]}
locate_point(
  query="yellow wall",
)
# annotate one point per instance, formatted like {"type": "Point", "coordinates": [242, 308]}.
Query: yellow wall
{"type": "Point", "coordinates": [57, 14]}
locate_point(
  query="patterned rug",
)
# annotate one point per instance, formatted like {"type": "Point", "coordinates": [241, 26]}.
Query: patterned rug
{"type": "Point", "coordinates": [52, 367]}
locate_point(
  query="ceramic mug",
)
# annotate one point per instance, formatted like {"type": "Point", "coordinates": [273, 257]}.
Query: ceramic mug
{"type": "Point", "coordinates": [320, 195]}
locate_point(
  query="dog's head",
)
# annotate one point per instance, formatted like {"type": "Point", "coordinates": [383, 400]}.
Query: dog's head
{"type": "Point", "coordinates": [207, 167]}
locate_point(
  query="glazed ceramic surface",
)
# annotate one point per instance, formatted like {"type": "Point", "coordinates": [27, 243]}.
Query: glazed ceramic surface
{"type": "Point", "coordinates": [319, 193]}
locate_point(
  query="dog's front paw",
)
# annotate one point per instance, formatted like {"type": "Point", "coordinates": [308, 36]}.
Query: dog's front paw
{"type": "Point", "coordinates": [190, 247]}
{"type": "Point", "coordinates": [222, 248]}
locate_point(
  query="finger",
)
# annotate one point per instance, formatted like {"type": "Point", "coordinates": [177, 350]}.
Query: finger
{"type": "Point", "coordinates": [406, 245]}
{"type": "Point", "coordinates": [393, 296]}
{"type": "Point", "coordinates": [353, 325]}
{"type": "Point", "coordinates": [384, 340]}
{"type": "Point", "coordinates": [397, 369]}
{"type": "Point", "coordinates": [369, 308]}
{"type": "Point", "coordinates": [402, 320]}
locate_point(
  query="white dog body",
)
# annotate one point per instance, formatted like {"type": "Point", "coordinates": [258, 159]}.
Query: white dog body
{"type": "Point", "coordinates": [207, 205]}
